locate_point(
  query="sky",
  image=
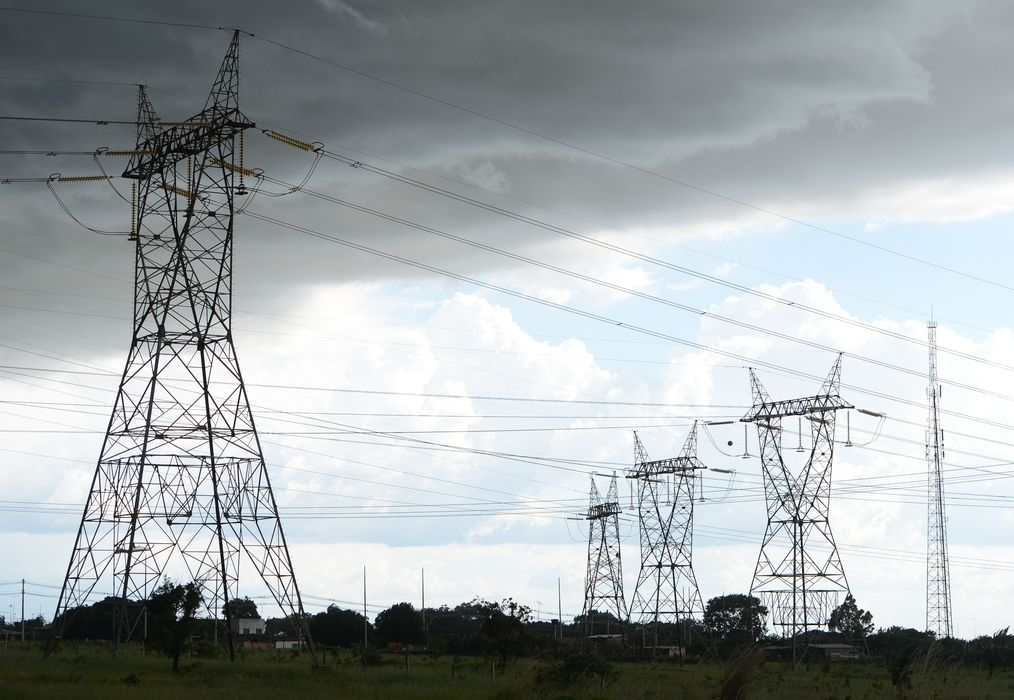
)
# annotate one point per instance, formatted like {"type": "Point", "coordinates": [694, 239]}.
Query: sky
{"type": "Point", "coordinates": [595, 218]}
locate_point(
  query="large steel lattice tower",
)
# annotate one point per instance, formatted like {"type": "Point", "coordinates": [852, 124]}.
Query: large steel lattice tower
{"type": "Point", "coordinates": [938, 582]}
{"type": "Point", "coordinates": [181, 476]}
{"type": "Point", "coordinates": [603, 587]}
{"type": "Point", "coordinates": [666, 594]}
{"type": "Point", "coordinates": [799, 575]}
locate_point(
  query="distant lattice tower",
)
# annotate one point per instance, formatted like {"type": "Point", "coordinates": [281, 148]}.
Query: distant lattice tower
{"type": "Point", "coordinates": [799, 575]}
{"type": "Point", "coordinates": [938, 582]}
{"type": "Point", "coordinates": [603, 589]}
{"type": "Point", "coordinates": [181, 476]}
{"type": "Point", "coordinates": [666, 594]}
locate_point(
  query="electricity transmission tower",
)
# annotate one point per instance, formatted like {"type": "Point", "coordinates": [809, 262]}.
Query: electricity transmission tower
{"type": "Point", "coordinates": [603, 587]}
{"type": "Point", "coordinates": [799, 575]}
{"type": "Point", "coordinates": [938, 582]}
{"type": "Point", "coordinates": [666, 592]}
{"type": "Point", "coordinates": [181, 476]}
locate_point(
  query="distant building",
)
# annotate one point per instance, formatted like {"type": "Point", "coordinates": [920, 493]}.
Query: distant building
{"type": "Point", "coordinates": [248, 627]}
{"type": "Point", "coordinates": [832, 652]}
{"type": "Point", "coordinates": [835, 651]}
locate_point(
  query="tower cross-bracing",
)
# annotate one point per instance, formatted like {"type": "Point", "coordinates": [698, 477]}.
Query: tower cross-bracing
{"type": "Point", "coordinates": [666, 594]}
{"type": "Point", "coordinates": [603, 588]}
{"type": "Point", "coordinates": [181, 485]}
{"type": "Point", "coordinates": [938, 583]}
{"type": "Point", "coordinates": [799, 575]}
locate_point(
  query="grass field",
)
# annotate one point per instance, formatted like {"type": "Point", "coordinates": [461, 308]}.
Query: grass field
{"type": "Point", "coordinates": [88, 672]}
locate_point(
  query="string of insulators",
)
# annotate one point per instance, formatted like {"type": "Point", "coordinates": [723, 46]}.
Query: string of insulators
{"type": "Point", "coordinates": [289, 141]}
{"type": "Point", "coordinates": [234, 168]}
{"type": "Point", "coordinates": [133, 211]}
{"type": "Point", "coordinates": [80, 178]}
{"type": "Point", "coordinates": [242, 168]}
{"type": "Point", "coordinates": [177, 190]}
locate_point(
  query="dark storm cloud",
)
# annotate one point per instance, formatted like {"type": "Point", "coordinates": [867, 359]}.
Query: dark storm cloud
{"type": "Point", "coordinates": [771, 103]}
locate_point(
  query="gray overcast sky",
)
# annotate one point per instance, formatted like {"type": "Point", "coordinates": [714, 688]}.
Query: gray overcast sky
{"type": "Point", "coordinates": [780, 147]}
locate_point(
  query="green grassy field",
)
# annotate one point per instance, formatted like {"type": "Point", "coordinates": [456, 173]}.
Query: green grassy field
{"type": "Point", "coordinates": [87, 672]}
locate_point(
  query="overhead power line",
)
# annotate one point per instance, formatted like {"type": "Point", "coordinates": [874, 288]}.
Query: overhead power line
{"type": "Point", "coordinates": [668, 302]}
{"type": "Point", "coordinates": [755, 362]}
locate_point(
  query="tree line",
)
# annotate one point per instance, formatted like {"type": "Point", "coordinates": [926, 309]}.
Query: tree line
{"type": "Point", "coordinates": [506, 628]}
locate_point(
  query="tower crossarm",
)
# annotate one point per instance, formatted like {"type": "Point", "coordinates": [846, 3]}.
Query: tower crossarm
{"type": "Point", "coordinates": [659, 467]}
{"type": "Point", "coordinates": [795, 407]}
{"type": "Point", "coordinates": [603, 510]}
{"type": "Point", "coordinates": [199, 134]}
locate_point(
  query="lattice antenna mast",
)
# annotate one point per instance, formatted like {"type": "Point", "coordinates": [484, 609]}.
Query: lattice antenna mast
{"type": "Point", "coordinates": [603, 591]}
{"type": "Point", "coordinates": [799, 575]}
{"type": "Point", "coordinates": [181, 477]}
{"type": "Point", "coordinates": [938, 582]}
{"type": "Point", "coordinates": [667, 593]}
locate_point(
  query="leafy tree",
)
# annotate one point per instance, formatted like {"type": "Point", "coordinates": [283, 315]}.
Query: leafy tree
{"type": "Point", "coordinates": [994, 652]}
{"type": "Point", "coordinates": [94, 621]}
{"type": "Point", "coordinates": [338, 627]}
{"type": "Point", "coordinates": [503, 623]}
{"type": "Point", "coordinates": [400, 623]}
{"type": "Point", "coordinates": [282, 626]}
{"type": "Point", "coordinates": [897, 641]}
{"type": "Point", "coordinates": [601, 621]}
{"type": "Point", "coordinates": [735, 619]}
{"type": "Point", "coordinates": [851, 620]}
{"type": "Point", "coordinates": [242, 609]}
{"type": "Point", "coordinates": [172, 612]}
{"type": "Point", "coordinates": [456, 631]}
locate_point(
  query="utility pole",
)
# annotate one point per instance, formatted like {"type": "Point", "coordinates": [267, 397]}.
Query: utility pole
{"type": "Point", "coordinates": [604, 579]}
{"type": "Point", "coordinates": [666, 592]}
{"type": "Point", "coordinates": [938, 582]}
{"type": "Point", "coordinates": [22, 611]}
{"type": "Point", "coordinates": [181, 475]}
{"type": "Point", "coordinates": [799, 575]}
{"type": "Point", "coordinates": [426, 632]}
{"type": "Point", "coordinates": [559, 606]}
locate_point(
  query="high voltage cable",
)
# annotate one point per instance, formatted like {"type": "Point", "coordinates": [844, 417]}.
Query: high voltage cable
{"type": "Point", "coordinates": [509, 399]}
{"type": "Point", "coordinates": [592, 315]}
{"type": "Point", "coordinates": [535, 222]}
{"type": "Point", "coordinates": [683, 307]}
{"type": "Point", "coordinates": [618, 229]}
{"type": "Point", "coordinates": [110, 18]}
{"type": "Point", "coordinates": [653, 297]}
{"type": "Point", "coordinates": [887, 436]}
{"type": "Point", "coordinates": [985, 474]}
{"type": "Point", "coordinates": [498, 398]}
{"type": "Point", "coordinates": [623, 251]}
{"type": "Point", "coordinates": [68, 120]}
{"type": "Point", "coordinates": [629, 253]}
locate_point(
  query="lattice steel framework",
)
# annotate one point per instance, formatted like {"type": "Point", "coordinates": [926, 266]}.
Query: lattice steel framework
{"type": "Point", "coordinates": [666, 594]}
{"type": "Point", "coordinates": [603, 588]}
{"type": "Point", "coordinates": [938, 582]}
{"type": "Point", "coordinates": [799, 575]}
{"type": "Point", "coordinates": [181, 474]}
